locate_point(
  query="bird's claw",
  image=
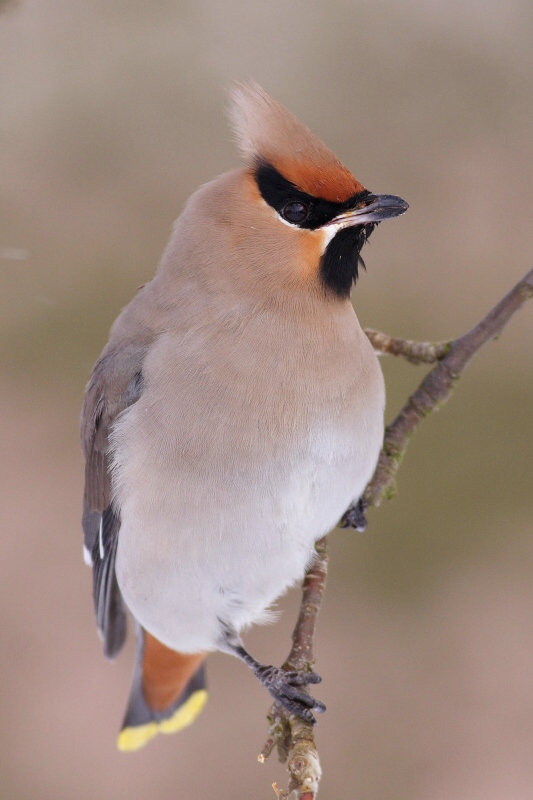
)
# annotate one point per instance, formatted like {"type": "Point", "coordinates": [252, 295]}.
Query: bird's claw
{"type": "Point", "coordinates": [282, 685]}
{"type": "Point", "coordinates": [355, 516]}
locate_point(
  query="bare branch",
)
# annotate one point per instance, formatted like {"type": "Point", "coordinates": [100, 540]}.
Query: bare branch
{"type": "Point", "coordinates": [293, 737]}
{"type": "Point", "coordinates": [437, 387]}
{"type": "Point", "coordinates": [301, 655]}
{"type": "Point", "coordinates": [415, 352]}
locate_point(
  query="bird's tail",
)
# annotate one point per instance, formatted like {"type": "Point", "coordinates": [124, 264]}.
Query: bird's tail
{"type": "Point", "coordinates": [167, 693]}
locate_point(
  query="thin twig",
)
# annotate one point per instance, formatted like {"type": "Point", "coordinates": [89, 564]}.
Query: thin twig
{"type": "Point", "coordinates": [414, 352]}
{"type": "Point", "coordinates": [437, 386]}
{"type": "Point", "coordinates": [293, 737]}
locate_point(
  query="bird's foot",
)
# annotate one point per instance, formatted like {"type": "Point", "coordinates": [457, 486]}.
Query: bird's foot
{"type": "Point", "coordinates": [355, 516]}
{"type": "Point", "coordinates": [283, 686]}
{"type": "Point", "coordinates": [280, 683]}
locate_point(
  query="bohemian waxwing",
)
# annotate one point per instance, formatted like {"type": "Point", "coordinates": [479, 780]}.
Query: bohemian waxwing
{"type": "Point", "coordinates": [234, 415]}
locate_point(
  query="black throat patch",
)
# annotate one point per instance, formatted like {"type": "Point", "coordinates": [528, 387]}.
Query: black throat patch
{"type": "Point", "coordinates": [339, 262]}
{"type": "Point", "coordinates": [339, 265]}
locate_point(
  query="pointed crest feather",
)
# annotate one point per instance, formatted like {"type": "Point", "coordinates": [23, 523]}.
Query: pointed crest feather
{"type": "Point", "coordinates": [266, 131]}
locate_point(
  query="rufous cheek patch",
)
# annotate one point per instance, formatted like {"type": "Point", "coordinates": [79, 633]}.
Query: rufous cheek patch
{"type": "Point", "coordinates": [311, 248]}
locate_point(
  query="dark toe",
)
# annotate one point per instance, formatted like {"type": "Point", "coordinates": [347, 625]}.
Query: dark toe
{"type": "Point", "coordinates": [355, 517]}
{"type": "Point", "coordinates": [298, 702]}
{"type": "Point", "coordinates": [302, 678]}
{"type": "Point", "coordinates": [300, 697]}
{"type": "Point", "coordinates": [312, 677]}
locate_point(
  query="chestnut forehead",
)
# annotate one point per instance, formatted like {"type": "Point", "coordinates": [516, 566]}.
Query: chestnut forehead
{"type": "Point", "coordinates": [329, 181]}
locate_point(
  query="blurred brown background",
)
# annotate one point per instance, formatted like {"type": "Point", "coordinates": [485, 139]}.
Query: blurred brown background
{"type": "Point", "coordinates": [111, 115]}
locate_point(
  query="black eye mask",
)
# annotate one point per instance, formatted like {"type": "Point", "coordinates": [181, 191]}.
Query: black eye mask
{"type": "Point", "coordinates": [283, 196]}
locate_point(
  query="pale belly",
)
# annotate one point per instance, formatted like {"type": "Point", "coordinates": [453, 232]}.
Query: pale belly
{"type": "Point", "coordinates": [203, 549]}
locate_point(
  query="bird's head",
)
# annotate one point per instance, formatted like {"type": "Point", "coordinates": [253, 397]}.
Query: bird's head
{"type": "Point", "coordinates": [305, 188]}
{"type": "Point", "coordinates": [295, 215]}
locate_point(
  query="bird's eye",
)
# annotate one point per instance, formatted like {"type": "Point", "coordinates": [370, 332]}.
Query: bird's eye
{"type": "Point", "coordinates": [295, 212]}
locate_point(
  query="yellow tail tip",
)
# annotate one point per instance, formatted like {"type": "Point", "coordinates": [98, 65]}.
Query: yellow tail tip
{"type": "Point", "coordinates": [133, 738]}
{"type": "Point", "coordinates": [130, 739]}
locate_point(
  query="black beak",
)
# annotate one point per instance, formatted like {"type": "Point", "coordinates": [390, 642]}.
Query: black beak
{"type": "Point", "coordinates": [374, 208]}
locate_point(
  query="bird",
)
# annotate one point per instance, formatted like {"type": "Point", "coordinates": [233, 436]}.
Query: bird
{"type": "Point", "coordinates": [234, 415]}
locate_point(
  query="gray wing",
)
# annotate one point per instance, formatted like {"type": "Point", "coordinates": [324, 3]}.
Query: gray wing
{"type": "Point", "coordinates": [116, 383]}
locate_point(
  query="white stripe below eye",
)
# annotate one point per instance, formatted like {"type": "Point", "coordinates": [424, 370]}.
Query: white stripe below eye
{"type": "Point", "coordinates": [100, 538]}
{"type": "Point", "coordinates": [332, 230]}
{"type": "Point", "coordinates": [286, 222]}
{"type": "Point", "coordinates": [87, 557]}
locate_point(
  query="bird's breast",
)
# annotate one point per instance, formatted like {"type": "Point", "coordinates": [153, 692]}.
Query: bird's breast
{"type": "Point", "coordinates": [230, 402]}
{"type": "Point", "coordinates": [244, 448]}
